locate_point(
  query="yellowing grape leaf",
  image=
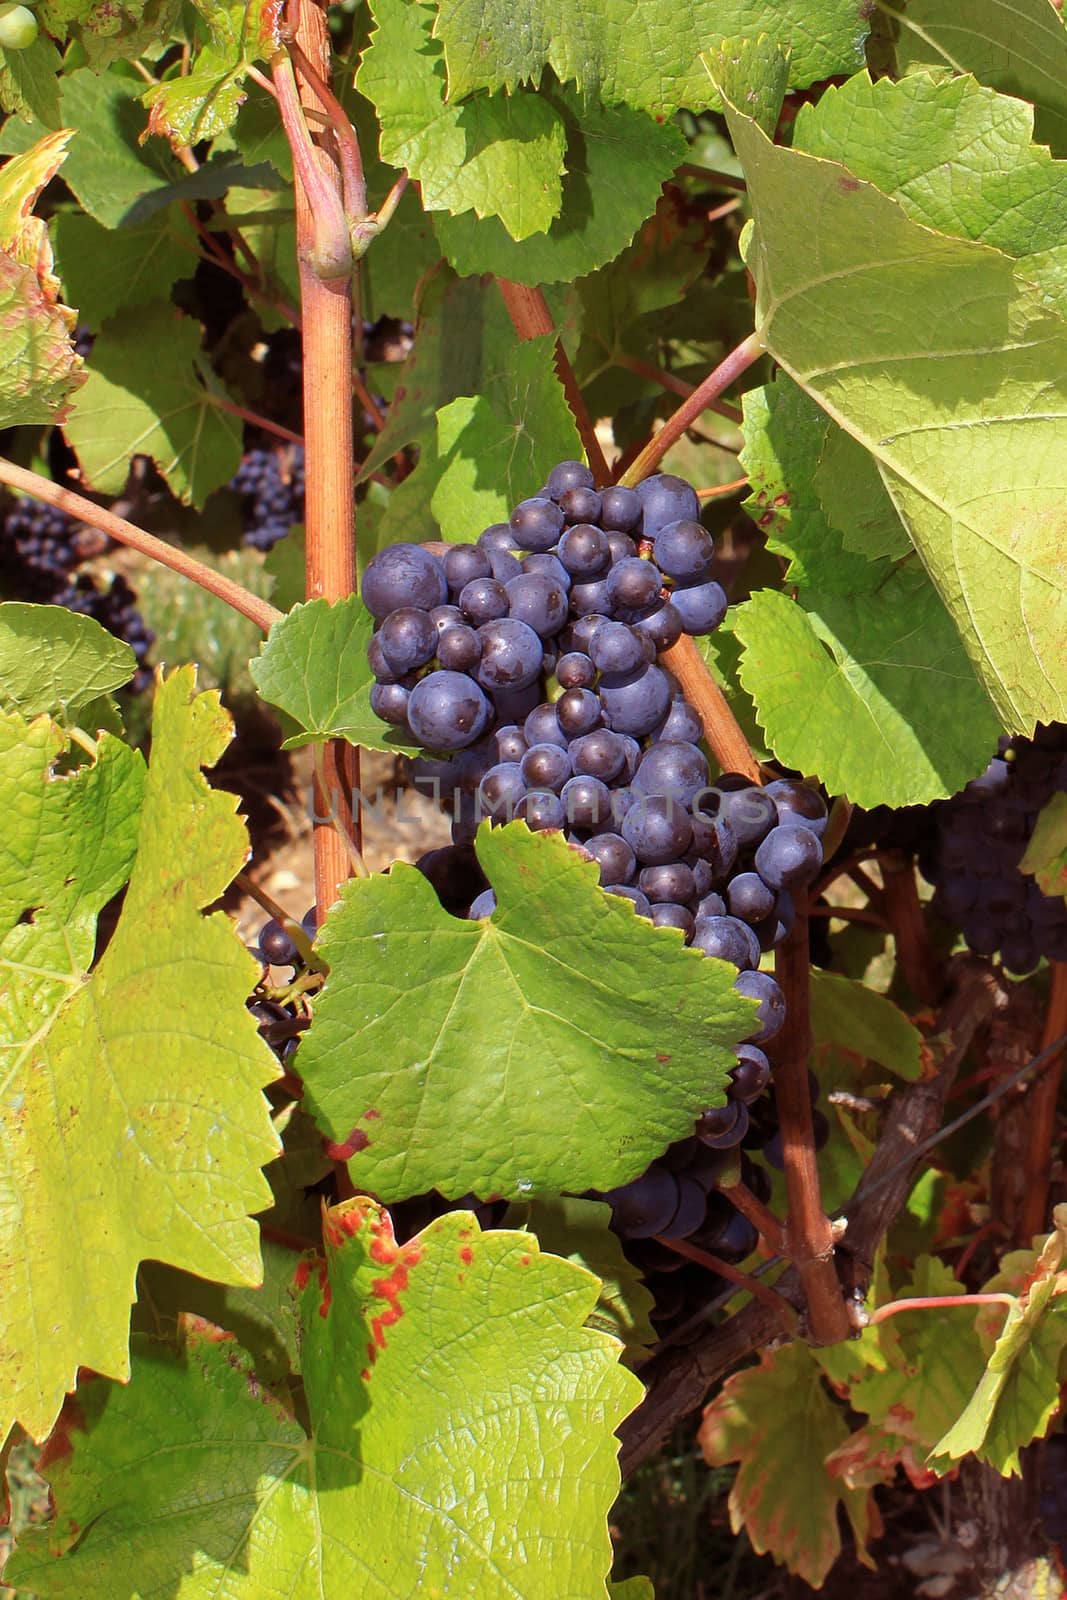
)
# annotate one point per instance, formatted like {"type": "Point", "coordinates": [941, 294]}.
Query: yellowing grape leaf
{"type": "Point", "coordinates": [597, 1038]}
{"type": "Point", "coordinates": [204, 102]}
{"type": "Point", "coordinates": [780, 1424]}
{"type": "Point", "coordinates": [1018, 1394]}
{"type": "Point", "coordinates": [916, 343]}
{"type": "Point", "coordinates": [459, 1439]}
{"type": "Point", "coordinates": [56, 661]}
{"type": "Point", "coordinates": [132, 1123]}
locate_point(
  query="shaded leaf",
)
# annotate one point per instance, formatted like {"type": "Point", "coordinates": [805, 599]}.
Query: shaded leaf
{"type": "Point", "coordinates": [150, 1056]}
{"type": "Point", "coordinates": [105, 271]}
{"type": "Point", "coordinates": [779, 1423]}
{"type": "Point", "coordinates": [600, 1037]}
{"type": "Point", "coordinates": [847, 1016]}
{"type": "Point", "coordinates": [146, 395]}
{"type": "Point", "coordinates": [29, 85]}
{"type": "Point", "coordinates": [461, 1436]}
{"type": "Point", "coordinates": [55, 661]}
{"type": "Point", "coordinates": [618, 160]}
{"type": "Point", "coordinates": [111, 30]}
{"type": "Point", "coordinates": [1016, 46]}
{"type": "Point", "coordinates": [204, 101]}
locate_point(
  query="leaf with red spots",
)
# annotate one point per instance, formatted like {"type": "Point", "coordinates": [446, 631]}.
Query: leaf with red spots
{"type": "Point", "coordinates": [519, 1055]}
{"type": "Point", "coordinates": [779, 1422]}
{"type": "Point", "coordinates": [475, 1456]}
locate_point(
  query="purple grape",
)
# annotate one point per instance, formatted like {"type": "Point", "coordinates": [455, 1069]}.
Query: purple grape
{"type": "Point", "coordinates": [676, 769]}
{"type": "Point", "coordinates": [541, 810]}
{"type": "Point", "coordinates": [483, 906]}
{"type": "Point", "coordinates": [723, 1127]}
{"type": "Point", "coordinates": [750, 1077]}
{"type": "Point", "coordinates": [566, 476]}
{"type": "Point", "coordinates": [390, 702]}
{"type": "Point", "coordinates": [657, 830]}
{"type": "Point", "coordinates": [459, 649]}
{"type": "Point", "coordinates": [751, 812]}
{"type": "Point", "coordinates": [580, 504]}
{"type": "Point", "coordinates": [590, 599]}
{"type": "Point", "coordinates": [665, 498]}
{"type": "Point", "coordinates": [701, 606]}
{"type": "Point", "coordinates": [574, 670]}
{"type": "Point", "coordinates": [483, 600]}
{"type": "Point", "coordinates": [749, 898]}
{"type": "Point", "coordinates": [728, 940]}
{"type": "Point", "coordinates": [585, 552]}
{"type": "Point", "coordinates": [276, 945]}
{"type": "Point", "coordinates": [620, 509]}
{"type": "Point", "coordinates": [511, 655]}
{"type": "Point", "coordinates": [635, 897]}
{"type": "Point", "coordinates": [668, 915]}
{"type": "Point", "coordinates": [635, 583]}
{"type": "Point", "coordinates": [446, 711]}
{"type": "Point", "coordinates": [536, 524]}
{"type": "Point", "coordinates": [637, 703]}
{"type": "Point", "coordinates": [545, 766]}
{"type": "Point", "coordinates": [683, 549]}
{"type": "Point", "coordinates": [586, 801]}
{"type": "Point", "coordinates": [462, 562]}
{"type": "Point", "coordinates": [403, 575]}
{"type": "Point", "coordinates": [682, 725]}
{"type": "Point", "coordinates": [613, 856]}
{"type": "Point", "coordinates": [446, 617]}
{"type": "Point", "coordinates": [600, 754]}
{"type": "Point", "coordinates": [661, 624]}
{"type": "Point", "coordinates": [770, 1016]}
{"type": "Point", "coordinates": [378, 664]}
{"type": "Point", "coordinates": [577, 712]}
{"type": "Point", "coordinates": [712, 905]}
{"type": "Point", "coordinates": [408, 638]}
{"type": "Point", "coordinates": [671, 881]}
{"type": "Point", "coordinates": [501, 790]}
{"type": "Point", "coordinates": [691, 1210]}
{"type": "Point", "coordinates": [539, 601]}
{"type": "Point", "coordinates": [788, 856]}
{"type": "Point", "coordinates": [542, 727]}
{"type": "Point", "coordinates": [799, 802]}
{"type": "Point", "coordinates": [615, 648]}
{"type": "Point", "coordinates": [549, 566]}
{"type": "Point", "coordinates": [642, 1208]}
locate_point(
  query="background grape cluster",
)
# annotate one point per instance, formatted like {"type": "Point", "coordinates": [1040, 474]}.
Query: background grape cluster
{"type": "Point", "coordinates": [42, 553]}
{"type": "Point", "coordinates": [980, 840]}
{"type": "Point", "coordinates": [271, 485]}
{"type": "Point", "coordinates": [531, 668]}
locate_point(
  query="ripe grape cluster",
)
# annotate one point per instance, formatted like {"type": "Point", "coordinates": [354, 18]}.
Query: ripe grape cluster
{"type": "Point", "coordinates": [982, 835]}
{"type": "Point", "coordinates": [528, 666]}
{"type": "Point", "coordinates": [271, 486]}
{"type": "Point", "coordinates": [41, 550]}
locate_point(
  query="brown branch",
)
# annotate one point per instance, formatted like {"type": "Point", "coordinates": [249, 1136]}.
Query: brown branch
{"type": "Point", "coordinates": [671, 382]}
{"type": "Point", "coordinates": [721, 728]}
{"type": "Point", "coordinates": [923, 972]}
{"type": "Point", "coordinates": [717, 489]}
{"type": "Point", "coordinates": [529, 312]}
{"type": "Point", "coordinates": [249, 605]}
{"type": "Point", "coordinates": [710, 175]}
{"type": "Point", "coordinates": [326, 311]}
{"type": "Point", "coordinates": [808, 1234]}
{"type": "Point", "coordinates": [726, 373]}
{"type": "Point", "coordinates": [255, 419]}
{"type": "Point", "coordinates": [1042, 1099]}
{"type": "Point", "coordinates": [677, 1380]}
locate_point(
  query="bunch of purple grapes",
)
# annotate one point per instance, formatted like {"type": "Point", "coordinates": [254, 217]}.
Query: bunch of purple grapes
{"type": "Point", "coordinates": [982, 835]}
{"type": "Point", "coordinates": [41, 550]}
{"type": "Point", "coordinates": [271, 485]}
{"type": "Point", "coordinates": [527, 667]}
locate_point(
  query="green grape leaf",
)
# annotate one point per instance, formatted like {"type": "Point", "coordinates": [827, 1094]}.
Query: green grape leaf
{"type": "Point", "coordinates": [856, 501]}
{"type": "Point", "coordinates": [452, 1393]}
{"type": "Point", "coordinates": [600, 1037]}
{"type": "Point", "coordinates": [578, 1231]}
{"type": "Point", "coordinates": [843, 687]}
{"type": "Point", "coordinates": [494, 448]}
{"type": "Point", "coordinates": [913, 387]}
{"type": "Point", "coordinates": [500, 157]}
{"type": "Point", "coordinates": [133, 1122]}
{"type": "Point", "coordinates": [57, 662]}
{"type": "Point", "coordinates": [645, 54]}
{"type": "Point", "coordinates": [618, 160]}
{"type": "Point", "coordinates": [1018, 1394]}
{"type": "Point", "coordinates": [847, 1016]}
{"type": "Point", "coordinates": [21, 180]}
{"type": "Point", "coordinates": [921, 1378]}
{"type": "Point", "coordinates": [147, 395]}
{"type": "Point", "coordinates": [29, 83]}
{"type": "Point", "coordinates": [958, 157]}
{"type": "Point", "coordinates": [779, 1423]}
{"type": "Point", "coordinates": [111, 174]}
{"type": "Point", "coordinates": [111, 31]}
{"type": "Point", "coordinates": [205, 101]}
{"type": "Point", "coordinates": [1046, 853]}
{"type": "Point", "coordinates": [1016, 46]}
{"type": "Point", "coordinates": [463, 338]}
{"type": "Point", "coordinates": [632, 1589]}
{"type": "Point", "coordinates": [313, 666]}
{"type": "Point", "coordinates": [108, 271]}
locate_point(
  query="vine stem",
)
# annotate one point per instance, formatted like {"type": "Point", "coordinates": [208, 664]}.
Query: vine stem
{"type": "Point", "coordinates": [326, 315]}
{"type": "Point", "coordinates": [720, 378]}
{"type": "Point", "coordinates": [721, 728]}
{"type": "Point", "coordinates": [529, 312]}
{"type": "Point", "coordinates": [671, 382]}
{"type": "Point", "coordinates": [760, 1291]}
{"type": "Point", "coordinates": [809, 1234]}
{"type": "Point", "coordinates": [751, 1206]}
{"type": "Point", "coordinates": [1043, 1097]}
{"type": "Point", "coordinates": [937, 1302]}
{"type": "Point", "coordinates": [249, 605]}
{"type": "Point", "coordinates": [923, 971]}
{"type": "Point", "coordinates": [256, 420]}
